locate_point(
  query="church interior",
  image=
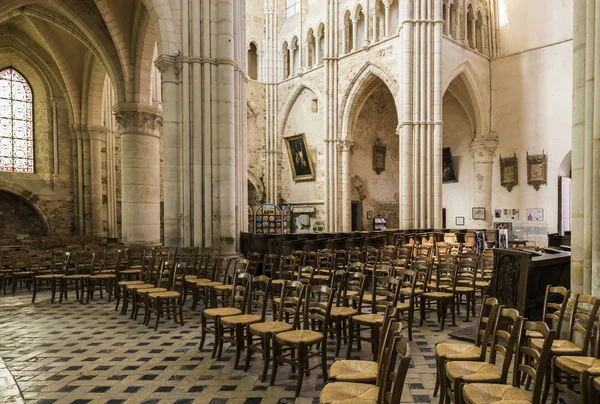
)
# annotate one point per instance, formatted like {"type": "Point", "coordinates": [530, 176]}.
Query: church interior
{"type": "Point", "coordinates": [299, 201]}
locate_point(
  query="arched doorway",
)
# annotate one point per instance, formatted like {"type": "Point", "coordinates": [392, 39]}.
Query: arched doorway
{"type": "Point", "coordinates": [564, 196]}
{"type": "Point", "coordinates": [459, 130]}
{"type": "Point", "coordinates": [375, 156]}
{"type": "Point", "coordinates": [18, 217]}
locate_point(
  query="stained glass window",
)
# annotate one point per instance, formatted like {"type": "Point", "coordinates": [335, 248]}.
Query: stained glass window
{"type": "Point", "coordinates": [16, 123]}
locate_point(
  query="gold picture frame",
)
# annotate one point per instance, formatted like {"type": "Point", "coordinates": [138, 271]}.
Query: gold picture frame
{"type": "Point", "coordinates": [300, 158]}
{"type": "Point", "coordinates": [509, 172]}
{"type": "Point", "coordinates": [537, 170]}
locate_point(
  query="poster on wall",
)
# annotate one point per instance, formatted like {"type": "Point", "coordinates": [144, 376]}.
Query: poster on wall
{"type": "Point", "coordinates": [268, 219]}
{"type": "Point", "coordinates": [535, 214]}
{"type": "Point", "coordinates": [250, 220]}
{"type": "Point", "coordinates": [448, 172]}
{"type": "Point", "coordinates": [511, 214]}
{"type": "Point", "coordinates": [497, 213]}
{"type": "Point", "coordinates": [300, 158]}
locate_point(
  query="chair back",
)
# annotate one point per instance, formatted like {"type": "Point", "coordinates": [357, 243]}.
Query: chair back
{"type": "Point", "coordinates": [508, 329]}
{"type": "Point", "coordinates": [85, 262]}
{"type": "Point", "coordinates": [486, 323]}
{"type": "Point", "coordinates": [287, 267]}
{"type": "Point", "coordinates": [583, 316]}
{"type": "Point", "coordinates": [389, 288]}
{"type": "Point", "coordinates": [269, 264]}
{"type": "Point", "coordinates": [395, 368]}
{"type": "Point", "coordinates": [555, 305]}
{"type": "Point", "coordinates": [259, 295]}
{"type": "Point", "coordinates": [135, 255]}
{"type": "Point", "coordinates": [177, 277]}
{"type": "Point", "coordinates": [290, 302]}
{"type": "Point", "coordinates": [318, 300]}
{"type": "Point", "coordinates": [446, 277]}
{"type": "Point", "coordinates": [355, 282]}
{"type": "Point", "coordinates": [306, 275]}
{"type": "Point", "coordinates": [391, 329]}
{"type": "Point", "coordinates": [111, 260]}
{"type": "Point", "coordinates": [531, 362]}
{"type": "Point", "coordinates": [241, 291]}
{"type": "Point", "coordinates": [467, 273]}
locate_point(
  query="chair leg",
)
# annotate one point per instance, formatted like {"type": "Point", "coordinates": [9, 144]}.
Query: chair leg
{"type": "Point", "coordinates": [468, 306]}
{"type": "Point", "coordinates": [158, 312]}
{"type": "Point", "coordinates": [181, 313]}
{"type": "Point", "coordinates": [338, 335]}
{"type": "Point", "coordinates": [239, 344]}
{"type": "Point", "coordinates": [35, 283]}
{"type": "Point", "coordinates": [324, 361]}
{"type": "Point", "coordinates": [275, 362]}
{"type": "Point", "coordinates": [219, 341]}
{"type": "Point", "coordinates": [267, 354]}
{"type": "Point", "coordinates": [53, 289]}
{"type": "Point", "coordinates": [350, 337]}
{"type": "Point", "coordinates": [249, 350]}
{"type": "Point", "coordinates": [217, 338]}
{"type": "Point", "coordinates": [203, 331]}
{"type": "Point", "coordinates": [442, 304]}
{"type": "Point", "coordinates": [301, 364]}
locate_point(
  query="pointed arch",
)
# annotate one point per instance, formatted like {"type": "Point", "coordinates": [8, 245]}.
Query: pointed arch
{"type": "Point", "coordinates": [359, 184]}
{"type": "Point", "coordinates": [366, 80]}
{"type": "Point", "coordinates": [479, 107]}
{"type": "Point", "coordinates": [290, 104]}
{"type": "Point", "coordinates": [29, 198]}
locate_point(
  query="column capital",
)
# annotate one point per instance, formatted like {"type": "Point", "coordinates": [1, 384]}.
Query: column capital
{"type": "Point", "coordinates": [138, 118]}
{"type": "Point", "coordinates": [97, 132]}
{"type": "Point", "coordinates": [169, 66]}
{"type": "Point", "coordinates": [345, 145]}
{"type": "Point", "coordinates": [483, 150]}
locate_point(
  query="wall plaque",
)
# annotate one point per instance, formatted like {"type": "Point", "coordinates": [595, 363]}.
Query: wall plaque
{"type": "Point", "coordinates": [537, 170]}
{"type": "Point", "coordinates": [509, 172]}
{"type": "Point", "coordinates": [379, 149]}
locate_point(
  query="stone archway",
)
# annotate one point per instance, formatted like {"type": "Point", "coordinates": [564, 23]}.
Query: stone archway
{"type": "Point", "coordinates": [21, 217]}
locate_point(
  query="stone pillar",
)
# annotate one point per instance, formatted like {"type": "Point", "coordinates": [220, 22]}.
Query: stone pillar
{"type": "Point", "coordinates": [317, 60]}
{"type": "Point", "coordinates": [175, 233]}
{"type": "Point", "coordinates": [87, 180]}
{"type": "Point", "coordinates": [77, 145]}
{"type": "Point", "coordinates": [585, 226]}
{"type": "Point", "coordinates": [306, 55]}
{"type": "Point", "coordinates": [354, 33]}
{"type": "Point", "coordinates": [345, 147]}
{"type": "Point", "coordinates": [447, 20]}
{"type": "Point", "coordinates": [483, 161]}
{"type": "Point", "coordinates": [344, 30]}
{"type": "Point", "coordinates": [140, 174]}
{"type": "Point", "coordinates": [387, 18]}
{"type": "Point", "coordinates": [374, 24]}
{"type": "Point", "coordinates": [292, 62]}
{"type": "Point", "coordinates": [97, 135]}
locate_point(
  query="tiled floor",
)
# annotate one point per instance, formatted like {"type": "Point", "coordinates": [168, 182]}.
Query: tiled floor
{"type": "Point", "coordinates": [74, 353]}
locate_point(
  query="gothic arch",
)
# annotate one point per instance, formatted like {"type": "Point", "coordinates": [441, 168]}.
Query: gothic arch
{"type": "Point", "coordinates": [290, 104]}
{"type": "Point", "coordinates": [28, 197]}
{"type": "Point", "coordinates": [363, 84]}
{"type": "Point", "coordinates": [256, 182]}
{"type": "Point", "coordinates": [471, 81]}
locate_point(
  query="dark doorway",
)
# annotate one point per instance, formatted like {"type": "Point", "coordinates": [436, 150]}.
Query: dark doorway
{"type": "Point", "coordinates": [356, 216]}
{"type": "Point", "coordinates": [443, 218]}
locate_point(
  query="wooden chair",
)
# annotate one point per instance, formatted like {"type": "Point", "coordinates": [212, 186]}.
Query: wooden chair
{"type": "Point", "coordinates": [76, 272]}
{"type": "Point", "coordinates": [159, 283]}
{"type": "Point", "coordinates": [238, 305]}
{"type": "Point", "coordinates": [126, 289]}
{"type": "Point", "coordinates": [443, 294]}
{"type": "Point", "coordinates": [555, 305]}
{"type": "Point", "coordinates": [314, 333]}
{"type": "Point", "coordinates": [269, 265]}
{"type": "Point", "coordinates": [208, 276]}
{"type": "Point", "coordinates": [465, 286]}
{"type": "Point", "coordinates": [411, 279]}
{"type": "Point", "coordinates": [20, 270]}
{"type": "Point", "coordinates": [100, 281]}
{"type": "Point", "coordinates": [49, 280]}
{"type": "Point", "coordinates": [221, 294]}
{"type": "Point", "coordinates": [259, 297]}
{"type": "Point", "coordinates": [568, 371]}
{"type": "Point", "coordinates": [581, 325]}
{"type": "Point", "coordinates": [449, 351]}
{"type": "Point", "coordinates": [170, 301]}
{"type": "Point", "coordinates": [260, 335]}
{"type": "Point", "coordinates": [384, 294]}
{"type": "Point", "coordinates": [508, 327]}
{"type": "Point", "coordinates": [389, 386]}
{"type": "Point", "coordinates": [362, 371]}
{"type": "Point", "coordinates": [485, 393]}
{"type": "Point", "coordinates": [253, 259]}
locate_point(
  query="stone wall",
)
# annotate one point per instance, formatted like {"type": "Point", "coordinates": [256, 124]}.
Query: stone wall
{"type": "Point", "coordinates": [18, 218]}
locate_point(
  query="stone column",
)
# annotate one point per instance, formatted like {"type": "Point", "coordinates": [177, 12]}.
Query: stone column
{"type": "Point", "coordinates": [306, 55]}
{"type": "Point", "coordinates": [292, 62]}
{"type": "Point", "coordinates": [387, 18]}
{"type": "Point", "coordinates": [354, 33]}
{"type": "Point", "coordinates": [317, 60]}
{"type": "Point", "coordinates": [140, 174]}
{"type": "Point", "coordinates": [344, 39]}
{"type": "Point", "coordinates": [447, 20]}
{"type": "Point", "coordinates": [585, 226]}
{"type": "Point", "coordinates": [483, 161]}
{"type": "Point", "coordinates": [87, 180]}
{"type": "Point", "coordinates": [77, 145]}
{"type": "Point", "coordinates": [374, 24]}
{"type": "Point", "coordinates": [175, 233]}
{"type": "Point", "coordinates": [345, 147]}
{"type": "Point", "coordinates": [97, 136]}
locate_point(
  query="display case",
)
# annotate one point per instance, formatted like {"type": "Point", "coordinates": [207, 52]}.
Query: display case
{"type": "Point", "coordinates": [268, 219]}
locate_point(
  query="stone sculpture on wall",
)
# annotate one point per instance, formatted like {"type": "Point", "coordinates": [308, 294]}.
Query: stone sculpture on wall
{"type": "Point", "coordinates": [537, 170]}
{"type": "Point", "coordinates": [509, 173]}
{"type": "Point", "coordinates": [379, 150]}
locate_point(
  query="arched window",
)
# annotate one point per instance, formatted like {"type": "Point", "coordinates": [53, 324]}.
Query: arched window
{"type": "Point", "coordinates": [252, 61]}
{"type": "Point", "coordinates": [285, 51]}
{"type": "Point", "coordinates": [16, 123]}
{"type": "Point", "coordinates": [471, 27]}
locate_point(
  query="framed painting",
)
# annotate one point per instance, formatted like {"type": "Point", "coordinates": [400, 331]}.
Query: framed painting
{"type": "Point", "coordinates": [478, 213]}
{"type": "Point", "coordinates": [460, 220]}
{"type": "Point", "coordinates": [448, 172]}
{"type": "Point", "coordinates": [300, 158]}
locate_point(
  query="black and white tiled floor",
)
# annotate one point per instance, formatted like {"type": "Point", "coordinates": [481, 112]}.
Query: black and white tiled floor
{"type": "Point", "coordinates": [78, 353]}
